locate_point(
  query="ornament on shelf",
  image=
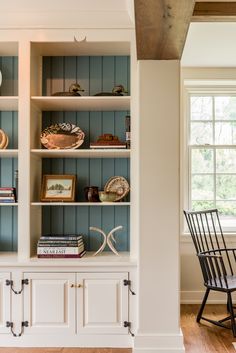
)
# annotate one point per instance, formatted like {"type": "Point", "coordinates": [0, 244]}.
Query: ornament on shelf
{"type": "Point", "coordinates": [108, 141]}
{"type": "Point", "coordinates": [74, 90]}
{"type": "Point", "coordinates": [107, 239]}
{"type": "Point", "coordinates": [116, 91]}
{"type": "Point", "coordinates": [3, 140]}
{"type": "Point", "coordinates": [62, 136]}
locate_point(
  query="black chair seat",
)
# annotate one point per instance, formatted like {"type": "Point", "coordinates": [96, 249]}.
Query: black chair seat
{"type": "Point", "coordinates": [221, 284]}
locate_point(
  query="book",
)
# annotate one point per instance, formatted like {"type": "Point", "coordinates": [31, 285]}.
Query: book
{"type": "Point", "coordinates": [61, 237]}
{"type": "Point", "coordinates": [59, 250]}
{"type": "Point", "coordinates": [61, 256]}
{"type": "Point", "coordinates": [57, 244]}
{"type": "Point", "coordinates": [105, 146]}
{"type": "Point", "coordinates": [127, 131]}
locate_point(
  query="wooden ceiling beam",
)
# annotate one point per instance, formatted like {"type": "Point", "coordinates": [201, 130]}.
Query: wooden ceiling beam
{"type": "Point", "coordinates": [224, 11]}
{"type": "Point", "coordinates": [161, 28]}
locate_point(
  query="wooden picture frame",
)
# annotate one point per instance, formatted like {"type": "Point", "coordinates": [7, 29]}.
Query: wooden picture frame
{"type": "Point", "coordinates": [58, 188]}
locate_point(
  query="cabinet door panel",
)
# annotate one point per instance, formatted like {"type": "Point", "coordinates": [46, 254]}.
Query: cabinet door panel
{"type": "Point", "coordinates": [5, 301]}
{"type": "Point", "coordinates": [102, 303]}
{"type": "Point", "coordinates": [49, 302]}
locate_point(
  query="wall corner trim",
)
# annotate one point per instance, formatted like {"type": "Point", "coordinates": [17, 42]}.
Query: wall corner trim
{"type": "Point", "coordinates": [166, 342]}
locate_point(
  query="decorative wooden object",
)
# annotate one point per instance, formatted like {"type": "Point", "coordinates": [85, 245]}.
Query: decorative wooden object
{"type": "Point", "coordinates": [107, 239]}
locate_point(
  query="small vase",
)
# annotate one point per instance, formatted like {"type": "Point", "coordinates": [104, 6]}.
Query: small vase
{"type": "Point", "coordinates": [91, 194]}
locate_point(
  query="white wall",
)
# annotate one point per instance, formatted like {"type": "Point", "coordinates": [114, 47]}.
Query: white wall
{"type": "Point", "coordinates": [159, 96]}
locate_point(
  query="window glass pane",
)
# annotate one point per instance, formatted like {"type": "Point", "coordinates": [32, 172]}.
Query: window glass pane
{"type": "Point", "coordinates": [225, 133]}
{"type": "Point", "coordinates": [202, 205]}
{"type": "Point", "coordinates": [201, 108]}
{"type": "Point", "coordinates": [225, 160]}
{"type": "Point", "coordinates": [225, 108]}
{"type": "Point", "coordinates": [202, 161]}
{"type": "Point", "coordinates": [226, 187]}
{"type": "Point", "coordinates": [202, 187]}
{"type": "Point", "coordinates": [227, 210]}
{"type": "Point", "coordinates": [201, 133]}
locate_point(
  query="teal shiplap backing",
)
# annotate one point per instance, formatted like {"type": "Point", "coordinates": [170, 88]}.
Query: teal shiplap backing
{"type": "Point", "coordinates": [9, 70]}
{"type": "Point", "coordinates": [94, 74]}
{"type": "Point", "coordinates": [9, 123]}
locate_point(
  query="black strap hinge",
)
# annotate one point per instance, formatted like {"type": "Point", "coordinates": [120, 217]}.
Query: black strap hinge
{"type": "Point", "coordinates": [23, 324]}
{"type": "Point", "coordinates": [128, 324]}
{"type": "Point", "coordinates": [23, 282]}
{"type": "Point", "coordinates": [127, 282]}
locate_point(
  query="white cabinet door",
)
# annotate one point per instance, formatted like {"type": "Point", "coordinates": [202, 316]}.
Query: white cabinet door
{"type": "Point", "coordinates": [49, 303]}
{"type": "Point", "coordinates": [5, 302]}
{"type": "Point", "coordinates": [102, 303]}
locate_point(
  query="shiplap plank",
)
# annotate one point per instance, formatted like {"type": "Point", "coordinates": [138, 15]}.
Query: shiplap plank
{"type": "Point", "coordinates": [95, 220]}
{"type": "Point", "coordinates": [95, 77]}
{"type": "Point", "coordinates": [121, 71]}
{"type": "Point", "coordinates": [57, 72]}
{"type": "Point", "coordinates": [47, 81]}
{"type": "Point", "coordinates": [82, 74]}
{"type": "Point", "coordinates": [122, 218]}
{"type": "Point", "coordinates": [9, 85]}
{"type": "Point", "coordinates": [108, 73]}
{"type": "Point", "coordinates": [69, 72]}
{"type": "Point", "coordinates": [108, 123]}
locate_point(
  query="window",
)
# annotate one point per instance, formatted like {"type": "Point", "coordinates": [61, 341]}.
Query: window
{"type": "Point", "coordinates": [212, 155]}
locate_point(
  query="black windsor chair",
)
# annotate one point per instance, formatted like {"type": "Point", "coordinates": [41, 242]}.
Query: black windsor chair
{"type": "Point", "coordinates": [215, 259]}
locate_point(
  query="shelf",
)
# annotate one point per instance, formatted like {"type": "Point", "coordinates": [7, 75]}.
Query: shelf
{"type": "Point", "coordinates": [8, 153]}
{"type": "Point", "coordinates": [104, 259]}
{"type": "Point", "coordinates": [9, 103]}
{"type": "Point", "coordinates": [82, 103]}
{"type": "Point", "coordinates": [98, 204]}
{"type": "Point", "coordinates": [79, 153]}
{"type": "Point", "coordinates": [5, 204]}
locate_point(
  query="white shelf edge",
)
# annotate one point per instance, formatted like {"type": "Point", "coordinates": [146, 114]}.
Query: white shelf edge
{"type": "Point", "coordinates": [79, 153]}
{"type": "Point", "coordinates": [9, 153]}
{"type": "Point", "coordinates": [97, 204]}
{"type": "Point", "coordinates": [8, 204]}
{"type": "Point", "coordinates": [83, 103]}
{"type": "Point", "coordinates": [104, 259]}
{"type": "Point", "coordinates": [8, 103]}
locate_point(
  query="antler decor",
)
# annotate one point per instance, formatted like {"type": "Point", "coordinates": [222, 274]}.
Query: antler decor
{"type": "Point", "coordinates": [107, 239]}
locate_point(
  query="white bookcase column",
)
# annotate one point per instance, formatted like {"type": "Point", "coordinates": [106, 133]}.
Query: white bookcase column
{"type": "Point", "coordinates": [158, 327]}
{"type": "Point", "coordinates": [24, 151]}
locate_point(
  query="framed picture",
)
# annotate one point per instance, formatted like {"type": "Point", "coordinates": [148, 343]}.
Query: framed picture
{"type": "Point", "coordinates": [58, 188]}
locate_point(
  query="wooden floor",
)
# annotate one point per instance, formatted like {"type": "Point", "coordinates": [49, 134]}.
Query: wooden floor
{"type": "Point", "coordinates": [204, 337]}
{"type": "Point", "coordinates": [198, 338]}
{"type": "Point", "coordinates": [65, 350]}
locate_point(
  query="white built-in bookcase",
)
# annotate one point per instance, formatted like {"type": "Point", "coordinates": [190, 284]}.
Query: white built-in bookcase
{"type": "Point", "coordinates": [31, 47]}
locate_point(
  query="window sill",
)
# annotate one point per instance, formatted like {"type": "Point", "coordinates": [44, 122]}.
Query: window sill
{"type": "Point", "coordinates": [186, 237]}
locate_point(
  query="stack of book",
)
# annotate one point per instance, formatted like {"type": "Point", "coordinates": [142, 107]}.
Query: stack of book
{"type": "Point", "coordinates": [60, 246]}
{"type": "Point", "coordinates": [7, 195]}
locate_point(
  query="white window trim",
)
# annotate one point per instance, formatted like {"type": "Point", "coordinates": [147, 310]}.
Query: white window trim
{"type": "Point", "coordinates": [194, 86]}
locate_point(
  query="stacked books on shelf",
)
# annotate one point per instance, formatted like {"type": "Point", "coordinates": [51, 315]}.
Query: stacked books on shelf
{"type": "Point", "coordinates": [61, 246]}
{"type": "Point", "coordinates": [7, 195]}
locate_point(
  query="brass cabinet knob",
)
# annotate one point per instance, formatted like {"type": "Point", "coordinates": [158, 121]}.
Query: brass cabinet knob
{"type": "Point", "coordinates": [72, 285]}
{"type": "Point", "coordinates": [79, 285]}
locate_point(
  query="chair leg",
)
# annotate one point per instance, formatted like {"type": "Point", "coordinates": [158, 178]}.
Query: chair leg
{"type": "Point", "coordinates": [231, 310]}
{"type": "Point", "coordinates": [199, 315]}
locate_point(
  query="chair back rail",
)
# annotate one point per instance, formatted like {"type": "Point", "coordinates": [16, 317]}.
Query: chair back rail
{"type": "Point", "coordinates": [210, 245]}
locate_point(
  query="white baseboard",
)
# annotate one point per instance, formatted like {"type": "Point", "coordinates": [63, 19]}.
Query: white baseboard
{"type": "Point", "coordinates": [162, 343]}
{"type": "Point", "coordinates": [195, 297]}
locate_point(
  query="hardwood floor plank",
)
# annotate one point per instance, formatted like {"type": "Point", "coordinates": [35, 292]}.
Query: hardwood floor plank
{"type": "Point", "coordinates": [205, 337]}
{"type": "Point", "coordinates": [65, 350]}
